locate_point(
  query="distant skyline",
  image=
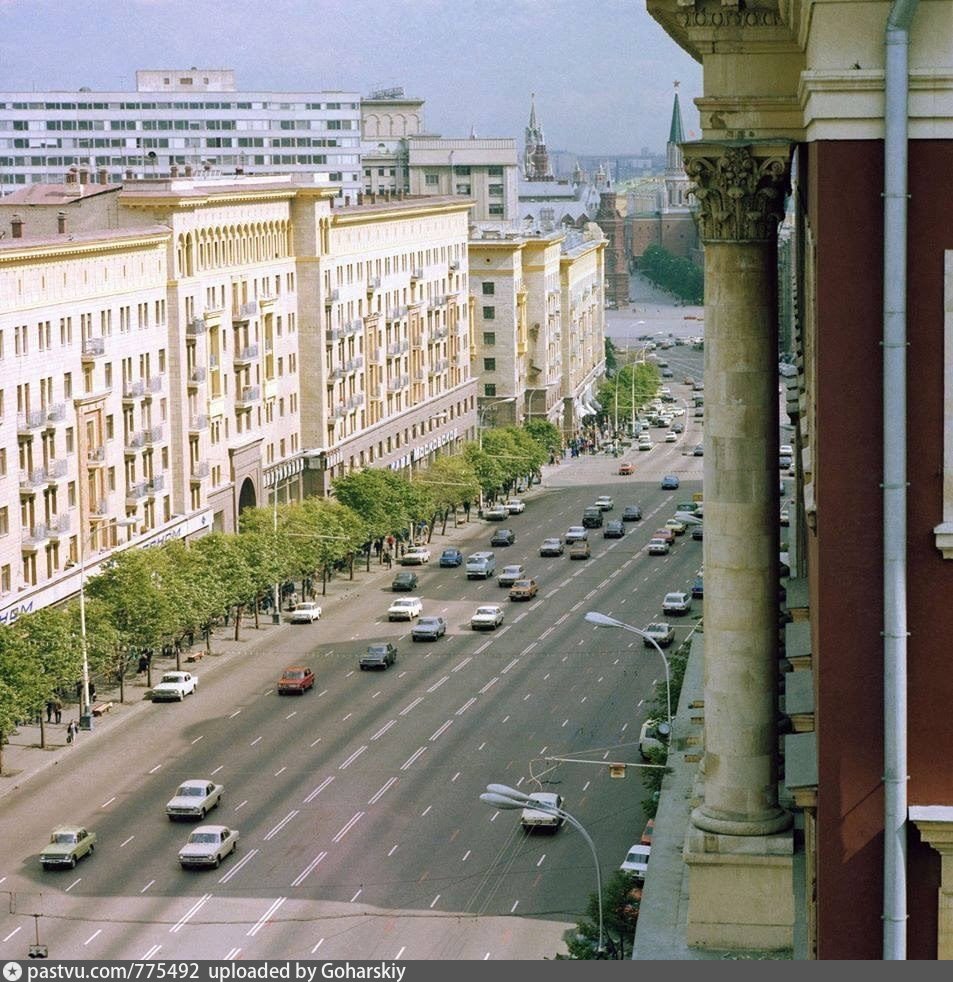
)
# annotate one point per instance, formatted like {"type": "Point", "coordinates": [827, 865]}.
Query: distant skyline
{"type": "Point", "coordinates": [603, 73]}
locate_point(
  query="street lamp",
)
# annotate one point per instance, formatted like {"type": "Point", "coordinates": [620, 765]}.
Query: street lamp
{"type": "Point", "coordinates": [602, 620]}
{"type": "Point", "coordinates": [507, 798]}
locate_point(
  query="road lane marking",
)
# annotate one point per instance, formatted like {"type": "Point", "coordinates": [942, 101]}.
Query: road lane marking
{"type": "Point", "coordinates": [547, 632]}
{"type": "Point", "coordinates": [217, 769]}
{"type": "Point", "coordinates": [503, 630]}
{"type": "Point", "coordinates": [438, 683]}
{"type": "Point", "coordinates": [399, 953]}
{"type": "Point", "coordinates": [379, 793]}
{"type": "Point", "coordinates": [561, 619]}
{"type": "Point", "coordinates": [411, 706]}
{"type": "Point", "coordinates": [106, 803]}
{"type": "Point", "coordinates": [314, 743]}
{"type": "Point", "coordinates": [346, 718]}
{"type": "Point", "coordinates": [356, 895]}
{"type": "Point", "coordinates": [196, 740]}
{"type": "Point", "coordinates": [232, 955]}
{"type": "Point", "coordinates": [515, 905]}
{"type": "Point", "coordinates": [73, 884]}
{"type": "Point", "coordinates": [277, 828]}
{"type": "Point", "coordinates": [393, 849]}
{"type": "Point", "coordinates": [154, 769]}
{"type": "Point", "coordinates": [376, 694]}
{"type": "Point", "coordinates": [318, 789]}
{"type": "Point", "coordinates": [464, 708]}
{"type": "Point", "coordinates": [318, 945]}
{"type": "Point", "coordinates": [323, 692]}
{"type": "Point", "coordinates": [146, 887]}
{"type": "Point", "coordinates": [541, 858]}
{"type": "Point", "coordinates": [565, 582]}
{"type": "Point", "coordinates": [233, 715]}
{"type": "Point", "coordinates": [503, 671]}
{"type": "Point", "coordinates": [585, 787]}
{"type": "Point", "coordinates": [516, 620]}
{"type": "Point", "coordinates": [487, 687]}
{"type": "Point", "coordinates": [292, 713]}
{"type": "Point", "coordinates": [357, 753]}
{"type": "Point", "coordinates": [466, 661]}
{"type": "Point", "coordinates": [482, 745]}
{"type": "Point", "coordinates": [527, 696]}
{"type": "Point", "coordinates": [279, 771]}
{"type": "Point", "coordinates": [299, 879]}
{"type": "Point", "coordinates": [440, 730]}
{"type": "Point", "coordinates": [528, 648]}
{"type": "Point", "coordinates": [126, 841]}
{"type": "Point", "coordinates": [434, 901]}
{"type": "Point", "coordinates": [424, 812]}
{"type": "Point", "coordinates": [483, 647]}
{"type": "Point", "coordinates": [383, 729]}
{"type": "Point", "coordinates": [256, 740]}
{"type": "Point", "coordinates": [576, 605]}
{"type": "Point", "coordinates": [584, 698]}
{"type": "Point", "coordinates": [92, 937]}
{"type": "Point", "coordinates": [11, 934]}
{"type": "Point", "coordinates": [154, 950]}
{"type": "Point", "coordinates": [552, 593]}
{"type": "Point", "coordinates": [260, 923]}
{"type": "Point", "coordinates": [348, 825]}
{"type": "Point", "coordinates": [565, 721]}
{"type": "Point", "coordinates": [410, 760]}
{"type": "Point", "coordinates": [535, 605]}
{"type": "Point", "coordinates": [455, 776]}
{"type": "Point", "coordinates": [190, 913]}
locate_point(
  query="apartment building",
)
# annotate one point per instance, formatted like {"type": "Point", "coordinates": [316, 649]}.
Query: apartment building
{"type": "Point", "coordinates": [191, 120]}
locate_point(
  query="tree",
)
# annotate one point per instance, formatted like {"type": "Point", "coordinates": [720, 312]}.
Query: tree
{"type": "Point", "coordinates": [546, 434]}
{"type": "Point", "coordinates": [450, 481]}
{"type": "Point", "coordinates": [676, 274]}
{"type": "Point", "coordinates": [621, 895]}
{"type": "Point", "coordinates": [379, 496]}
{"type": "Point", "coordinates": [611, 361]}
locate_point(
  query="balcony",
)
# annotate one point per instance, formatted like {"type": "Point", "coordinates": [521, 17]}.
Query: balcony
{"type": "Point", "coordinates": [198, 423]}
{"type": "Point", "coordinates": [195, 327]}
{"type": "Point", "coordinates": [134, 441]}
{"type": "Point", "coordinates": [354, 364]}
{"type": "Point", "coordinates": [31, 479]}
{"type": "Point", "coordinates": [93, 348]}
{"type": "Point", "coordinates": [439, 333]}
{"type": "Point", "coordinates": [31, 420]}
{"type": "Point", "coordinates": [200, 470]}
{"type": "Point", "coordinates": [332, 296]}
{"type": "Point", "coordinates": [96, 456]}
{"type": "Point", "coordinates": [398, 382]}
{"type": "Point", "coordinates": [153, 385]}
{"type": "Point", "coordinates": [249, 395]}
{"type": "Point", "coordinates": [354, 326]}
{"type": "Point", "coordinates": [34, 535]}
{"type": "Point", "coordinates": [397, 348]}
{"type": "Point", "coordinates": [333, 334]}
{"type": "Point", "coordinates": [440, 366]}
{"type": "Point", "coordinates": [373, 283]}
{"type": "Point", "coordinates": [197, 376]}
{"type": "Point", "coordinates": [377, 391]}
{"type": "Point", "coordinates": [416, 274]}
{"type": "Point", "coordinates": [355, 401]}
{"type": "Point", "coordinates": [153, 434]}
{"type": "Point", "coordinates": [397, 314]}
{"type": "Point", "coordinates": [213, 363]}
{"type": "Point", "coordinates": [419, 374]}
{"type": "Point", "coordinates": [454, 264]}
{"type": "Point", "coordinates": [155, 484]}
{"type": "Point", "coordinates": [375, 354]}
{"type": "Point", "coordinates": [133, 390]}
{"type": "Point", "coordinates": [56, 469]}
{"type": "Point", "coordinates": [336, 373]}
{"type": "Point", "coordinates": [56, 413]}
{"type": "Point", "coordinates": [99, 509]}
{"type": "Point", "coordinates": [245, 355]}
{"type": "Point", "coordinates": [136, 492]}
{"type": "Point", "coordinates": [245, 312]}
{"type": "Point", "coordinates": [339, 411]}
{"type": "Point", "coordinates": [60, 525]}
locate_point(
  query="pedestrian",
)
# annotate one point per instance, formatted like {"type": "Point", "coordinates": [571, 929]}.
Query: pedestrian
{"type": "Point", "coordinates": [388, 559]}
{"type": "Point", "coordinates": [71, 730]}
{"type": "Point", "coordinates": [57, 711]}
{"type": "Point", "coordinates": [49, 710]}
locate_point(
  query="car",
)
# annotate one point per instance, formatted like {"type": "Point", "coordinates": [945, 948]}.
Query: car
{"type": "Point", "coordinates": [415, 556]}
{"type": "Point", "coordinates": [592, 517]}
{"type": "Point", "coordinates": [510, 574]}
{"type": "Point", "coordinates": [688, 380]}
{"type": "Point", "coordinates": [669, 483]}
{"type": "Point", "coordinates": [580, 550]}
{"type": "Point", "coordinates": [665, 533]}
{"type": "Point", "coordinates": [677, 602]}
{"type": "Point", "coordinates": [653, 736]}
{"type": "Point", "coordinates": [404, 582]}
{"type": "Point", "coordinates": [785, 516]}
{"type": "Point", "coordinates": [785, 462]}
{"type": "Point", "coordinates": [626, 469]}
{"type": "Point", "coordinates": [208, 845]}
{"type": "Point", "coordinates": [786, 450]}
{"type": "Point", "coordinates": [405, 609]}
{"type": "Point", "coordinates": [497, 513]}
{"type": "Point", "coordinates": [546, 817]}
{"type": "Point", "coordinates": [614, 530]}
{"type": "Point", "coordinates": [295, 679]}
{"type": "Point", "coordinates": [688, 507]}
{"type": "Point", "coordinates": [381, 654]}
{"type": "Point", "coordinates": [175, 685]}
{"type": "Point", "coordinates": [645, 443]}
{"type": "Point", "coordinates": [429, 629]}
{"type": "Point", "coordinates": [658, 547]}
{"type": "Point", "coordinates": [661, 632]}
{"type": "Point", "coordinates": [305, 612]}
{"type": "Point", "coordinates": [524, 589]}
{"type": "Point", "coordinates": [631, 513]}
{"type": "Point", "coordinates": [678, 427]}
{"type": "Point", "coordinates": [604, 503]}
{"type": "Point", "coordinates": [698, 587]}
{"type": "Point", "coordinates": [667, 373]}
{"type": "Point", "coordinates": [576, 533]}
{"type": "Point", "coordinates": [451, 558]}
{"type": "Point", "coordinates": [487, 618]}
{"type": "Point", "coordinates": [698, 387]}
{"type": "Point", "coordinates": [671, 437]}
{"type": "Point", "coordinates": [67, 846]}
{"type": "Point", "coordinates": [551, 547]}
{"type": "Point", "coordinates": [699, 450]}
{"type": "Point", "coordinates": [648, 833]}
{"type": "Point", "coordinates": [516, 506]}
{"type": "Point", "coordinates": [481, 565]}
{"type": "Point", "coordinates": [676, 525]}
{"type": "Point", "coordinates": [194, 799]}
{"type": "Point", "coordinates": [699, 412]}
{"type": "Point", "coordinates": [503, 537]}
{"type": "Point", "coordinates": [636, 861]}
{"type": "Point", "coordinates": [698, 532]}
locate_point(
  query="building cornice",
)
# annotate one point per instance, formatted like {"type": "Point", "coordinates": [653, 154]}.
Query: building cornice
{"type": "Point", "coordinates": [47, 250]}
{"type": "Point", "coordinates": [397, 210]}
{"type": "Point", "coordinates": [193, 200]}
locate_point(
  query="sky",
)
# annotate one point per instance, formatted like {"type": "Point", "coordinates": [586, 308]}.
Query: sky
{"type": "Point", "coordinates": [603, 71]}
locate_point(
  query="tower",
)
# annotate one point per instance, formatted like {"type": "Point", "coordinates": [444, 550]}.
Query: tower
{"type": "Point", "coordinates": [535, 157]}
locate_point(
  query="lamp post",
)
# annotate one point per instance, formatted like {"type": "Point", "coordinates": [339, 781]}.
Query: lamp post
{"type": "Point", "coordinates": [507, 798]}
{"type": "Point", "coordinates": [602, 620]}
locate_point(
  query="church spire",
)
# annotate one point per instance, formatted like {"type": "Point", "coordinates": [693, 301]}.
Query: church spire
{"type": "Point", "coordinates": [532, 111]}
{"type": "Point", "coordinates": [535, 158]}
{"type": "Point", "coordinates": [675, 133]}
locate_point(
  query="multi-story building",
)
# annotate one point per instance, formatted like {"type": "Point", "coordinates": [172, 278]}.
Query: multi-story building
{"type": "Point", "coordinates": [193, 120]}
{"type": "Point", "coordinates": [388, 118]}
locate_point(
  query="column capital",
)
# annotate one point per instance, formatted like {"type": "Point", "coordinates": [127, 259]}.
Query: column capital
{"type": "Point", "coordinates": [740, 188]}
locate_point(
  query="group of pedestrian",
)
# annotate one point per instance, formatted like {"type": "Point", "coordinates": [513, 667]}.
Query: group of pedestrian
{"type": "Point", "coordinates": [54, 711]}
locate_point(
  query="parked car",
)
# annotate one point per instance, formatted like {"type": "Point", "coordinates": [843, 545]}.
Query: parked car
{"type": "Point", "coordinates": [481, 565]}
{"type": "Point", "coordinates": [604, 502]}
{"type": "Point", "coordinates": [551, 547]}
{"type": "Point", "coordinates": [497, 513]}
{"type": "Point", "coordinates": [614, 530]}
{"type": "Point", "coordinates": [665, 533]}
{"type": "Point", "coordinates": [405, 609]}
{"type": "Point", "coordinates": [67, 846]}
{"type": "Point", "coordinates": [653, 736]}
{"type": "Point", "coordinates": [698, 532]}
{"type": "Point", "coordinates": [676, 525]}
{"type": "Point", "coordinates": [510, 574]}
{"type": "Point", "coordinates": [677, 602]}
{"type": "Point", "coordinates": [669, 482]}
{"type": "Point", "coordinates": [658, 547]}
{"type": "Point", "coordinates": [208, 845]}
{"type": "Point", "coordinates": [515, 506]}
{"type": "Point", "coordinates": [174, 685]}
{"type": "Point", "coordinates": [631, 513]}
{"type": "Point", "coordinates": [194, 799]}
{"type": "Point", "coordinates": [295, 679]}
{"type": "Point", "coordinates": [626, 469]}
{"type": "Point", "coordinates": [661, 632]}
{"type": "Point", "coordinates": [580, 550]}
{"type": "Point", "coordinates": [545, 818]}
{"type": "Point", "coordinates": [415, 556]}
{"type": "Point", "coordinates": [451, 558]}
{"type": "Point", "coordinates": [305, 613]}
{"type": "Point", "coordinates": [636, 861]}
{"type": "Point", "coordinates": [429, 629]}
{"type": "Point", "coordinates": [503, 537]}
{"type": "Point", "coordinates": [487, 618]}
{"type": "Point", "coordinates": [381, 654]}
{"type": "Point", "coordinates": [524, 589]}
{"type": "Point", "coordinates": [698, 587]}
{"type": "Point", "coordinates": [576, 533]}
{"type": "Point", "coordinates": [404, 581]}
{"type": "Point", "coordinates": [699, 450]}
{"type": "Point", "coordinates": [785, 516]}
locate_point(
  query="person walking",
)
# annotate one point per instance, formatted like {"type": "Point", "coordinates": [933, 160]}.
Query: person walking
{"type": "Point", "coordinates": [49, 710]}
{"type": "Point", "coordinates": [71, 730]}
{"type": "Point", "coordinates": [57, 711]}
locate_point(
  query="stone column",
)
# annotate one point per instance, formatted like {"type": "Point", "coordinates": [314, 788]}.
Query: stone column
{"type": "Point", "coordinates": [740, 190]}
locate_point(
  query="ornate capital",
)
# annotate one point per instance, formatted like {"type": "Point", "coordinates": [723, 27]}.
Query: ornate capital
{"type": "Point", "coordinates": [740, 188]}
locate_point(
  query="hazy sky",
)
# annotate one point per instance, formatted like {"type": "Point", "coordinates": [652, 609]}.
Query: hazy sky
{"type": "Point", "coordinates": [602, 70]}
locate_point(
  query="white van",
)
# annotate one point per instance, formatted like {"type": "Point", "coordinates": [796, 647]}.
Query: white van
{"type": "Point", "coordinates": [481, 566]}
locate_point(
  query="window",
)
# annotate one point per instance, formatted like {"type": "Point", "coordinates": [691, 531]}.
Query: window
{"type": "Point", "coordinates": [489, 364]}
{"type": "Point", "coordinates": [489, 313]}
{"type": "Point", "coordinates": [496, 190]}
{"type": "Point", "coordinates": [431, 180]}
{"type": "Point", "coordinates": [5, 579]}
{"type": "Point", "coordinates": [4, 520]}
{"type": "Point", "coordinates": [489, 289]}
{"type": "Point", "coordinates": [489, 390]}
{"type": "Point", "coordinates": [489, 339]}
{"type": "Point", "coordinates": [495, 209]}
{"type": "Point", "coordinates": [495, 171]}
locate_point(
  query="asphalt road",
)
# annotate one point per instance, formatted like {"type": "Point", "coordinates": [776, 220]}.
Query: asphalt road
{"type": "Point", "coordinates": [362, 835]}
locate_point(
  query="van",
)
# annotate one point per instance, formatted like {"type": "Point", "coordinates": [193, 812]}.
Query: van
{"type": "Point", "coordinates": [481, 566]}
{"type": "Point", "coordinates": [592, 517]}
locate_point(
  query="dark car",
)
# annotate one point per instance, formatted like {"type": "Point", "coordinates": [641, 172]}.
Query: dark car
{"type": "Point", "coordinates": [381, 655]}
{"type": "Point", "coordinates": [678, 427]}
{"type": "Point", "coordinates": [613, 530]}
{"type": "Point", "coordinates": [699, 450]}
{"type": "Point", "coordinates": [670, 483]}
{"type": "Point", "coordinates": [592, 517]}
{"type": "Point", "coordinates": [429, 629]}
{"type": "Point", "coordinates": [451, 557]}
{"type": "Point", "coordinates": [503, 537]}
{"type": "Point", "coordinates": [698, 532]}
{"type": "Point", "coordinates": [631, 513]}
{"type": "Point", "coordinates": [404, 581]}
{"type": "Point", "coordinates": [698, 587]}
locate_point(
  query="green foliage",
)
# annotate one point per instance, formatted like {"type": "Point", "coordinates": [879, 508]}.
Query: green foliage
{"type": "Point", "coordinates": [620, 911]}
{"type": "Point", "coordinates": [546, 434]}
{"type": "Point", "coordinates": [676, 274]}
{"type": "Point", "coordinates": [386, 502]}
{"type": "Point", "coordinates": [634, 384]}
{"type": "Point", "coordinates": [612, 363]}
{"type": "Point", "coordinates": [450, 481]}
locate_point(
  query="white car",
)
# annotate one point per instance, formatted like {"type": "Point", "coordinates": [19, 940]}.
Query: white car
{"type": "Point", "coordinates": [543, 818]}
{"type": "Point", "coordinates": [677, 603]}
{"type": "Point", "coordinates": [658, 547]}
{"type": "Point", "coordinates": [510, 574]}
{"type": "Point", "coordinates": [604, 503]}
{"type": "Point", "coordinates": [305, 613]}
{"type": "Point", "coordinates": [175, 685]}
{"type": "Point", "coordinates": [637, 860]}
{"type": "Point", "coordinates": [194, 799]}
{"type": "Point", "coordinates": [405, 609]}
{"type": "Point", "coordinates": [498, 513]}
{"type": "Point", "coordinates": [515, 506]}
{"type": "Point", "coordinates": [208, 845]}
{"type": "Point", "coordinates": [576, 533]}
{"type": "Point", "coordinates": [415, 556]}
{"type": "Point", "coordinates": [488, 617]}
{"type": "Point", "coordinates": [671, 437]}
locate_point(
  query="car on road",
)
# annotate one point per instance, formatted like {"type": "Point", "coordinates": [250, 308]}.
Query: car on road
{"type": "Point", "coordinates": [626, 469]}
{"type": "Point", "coordinates": [614, 530]}
{"type": "Point", "coordinates": [305, 612]}
{"type": "Point", "coordinates": [671, 437]}
{"type": "Point", "coordinates": [698, 532]}
{"type": "Point", "coordinates": [653, 736]}
{"type": "Point", "coordinates": [516, 506]}
{"type": "Point", "coordinates": [665, 533]}
{"type": "Point", "coordinates": [785, 517]}
{"type": "Point", "coordinates": [636, 861]}
{"type": "Point", "coordinates": [592, 517]}
{"type": "Point", "coordinates": [546, 817]}
{"type": "Point", "coordinates": [429, 629]}
{"type": "Point", "coordinates": [296, 679]}
{"type": "Point", "coordinates": [661, 632]}
{"type": "Point", "coordinates": [667, 373]}
{"type": "Point", "coordinates": [658, 547]}
{"type": "Point", "coordinates": [604, 502]}
{"type": "Point", "coordinates": [487, 617]}
{"type": "Point", "coordinates": [415, 556]}
{"type": "Point", "coordinates": [381, 654]}
{"type": "Point", "coordinates": [580, 550]}
{"type": "Point", "coordinates": [67, 846]}
{"type": "Point", "coordinates": [175, 685]}
{"type": "Point", "coordinates": [676, 525]}
{"type": "Point", "coordinates": [481, 565]}
{"type": "Point", "coordinates": [451, 558]}
{"type": "Point", "coordinates": [496, 513]}
{"type": "Point", "coordinates": [524, 589]}
{"type": "Point", "coordinates": [698, 587]}
{"type": "Point", "coordinates": [631, 513]}
{"type": "Point", "coordinates": [503, 537]}
{"type": "Point", "coordinates": [677, 602]}
{"type": "Point", "coordinates": [699, 450]}
{"type": "Point", "coordinates": [194, 799]}
{"type": "Point", "coordinates": [678, 428]}
{"type": "Point", "coordinates": [405, 609]}
{"type": "Point", "coordinates": [669, 482]}
{"type": "Point", "coordinates": [645, 442]}
{"type": "Point", "coordinates": [404, 582]}
{"type": "Point", "coordinates": [576, 533]}
{"type": "Point", "coordinates": [551, 547]}
{"type": "Point", "coordinates": [510, 574]}
{"type": "Point", "coordinates": [208, 845]}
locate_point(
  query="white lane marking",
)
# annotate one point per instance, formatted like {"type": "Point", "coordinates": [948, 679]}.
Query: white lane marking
{"type": "Point", "coordinates": [503, 671]}
{"type": "Point", "coordinates": [565, 582]}
{"type": "Point", "coordinates": [465, 706]}
{"type": "Point", "coordinates": [466, 856]}
{"type": "Point", "coordinates": [455, 776]}
{"type": "Point", "coordinates": [318, 945]}
{"type": "Point", "coordinates": [515, 905]}
{"type": "Point", "coordinates": [318, 789]}
{"type": "Point", "coordinates": [233, 954]}
{"type": "Point", "coordinates": [506, 718]}
{"type": "Point", "coordinates": [11, 934]}
{"type": "Point", "coordinates": [152, 951]}
{"type": "Point", "coordinates": [546, 676]}
{"type": "Point", "coordinates": [552, 593]}
{"type": "Point", "coordinates": [376, 694]}
{"type": "Point", "coordinates": [576, 605]}
{"type": "Point", "coordinates": [126, 842]}
{"type": "Point", "coordinates": [154, 769]}
{"type": "Point", "coordinates": [190, 913]}
{"type": "Point", "coordinates": [585, 787]}
{"type": "Point", "coordinates": [294, 712]}
{"type": "Point", "coordinates": [433, 902]}
{"type": "Point", "coordinates": [383, 729]}
{"type": "Point", "coordinates": [438, 683]}
{"type": "Point", "coordinates": [466, 661]}
{"type": "Point", "coordinates": [486, 957]}
{"type": "Point", "coordinates": [277, 772]}
{"type": "Point", "coordinates": [565, 722]}
{"type": "Point", "coordinates": [393, 849]}
{"type": "Point", "coordinates": [299, 879]}
{"type": "Point", "coordinates": [357, 753]}
{"type": "Point", "coordinates": [233, 715]}
{"type": "Point", "coordinates": [260, 923]}
{"type": "Point", "coordinates": [503, 630]}
{"type": "Point", "coordinates": [409, 761]}
{"type": "Point", "coordinates": [591, 594]}
{"type": "Point", "coordinates": [196, 740]}
{"type": "Point", "coordinates": [277, 828]}
{"type": "Point", "coordinates": [440, 730]}
{"type": "Point", "coordinates": [494, 816]}
{"type": "Point", "coordinates": [356, 895]}
{"type": "Point", "coordinates": [483, 647]}
{"type": "Point", "coordinates": [323, 692]}
{"type": "Point", "coordinates": [540, 754]}
{"type": "Point", "coordinates": [489, 684]}
{"type": "Point", "coordinates": [346, 718]}
{"type": "Point", "coordinates": [73, 884]}
{"type": "Point", "coordinates": [424, 812]}
{"type": "Point", "coordinates": [146, 887]}
{"type": "Point", "coordinates": [256, 740]}
{"type": "Point", "coordinates": [541, 858]}
{"type": "Point", "coordinates": [561, 619]}
{"type": "Point", "coordinates": [399, 953]}
{"type": "Point", "coordinates": [348, 825]}
{"type": "Point", "coordinates": [516, 620]}
{"type": "Point", "coordinates": [93, 936]}
{"type": "Point", "coordinates": [584, 698]}
{"type": "Point", "coordinates": [217, 769]}
{"type": "Point", "coordinates": [547, 632]}
{"type": "Point", "coordinates": [528, 648]}
{"type": "Point", "coordinates": [482, 745]}
{"type": "Point", "coordinates": [535, 605]}
{"type": "Point", "coordinates": [314, 743]}
{"type": "Point", "coordinates": [527, 696]}
{"type": "Point", "coordinates": [625, 726]}
{"type": "Point", "coordinates": [379, 793]}
{"type": "Point", "coordinates": [411, 706]}
{"type": "Point", "coordinates": [106, 804]}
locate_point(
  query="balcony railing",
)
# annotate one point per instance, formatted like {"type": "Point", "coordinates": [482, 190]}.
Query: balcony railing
{"type": "Point", "coordinates": [245, 311]}
{"type": "Point", "coordinates": [336, 373]}
{"type": "Point", "coordinates": [200, 470]}
{"type": "Point", "coordinates": [31, 420]}
{"type": "Point", "coordinates": [417, 274]}
{"type": "Point", "coordinates": [248, 395]}
{"type": "Point", "coordinates": [56, 413]}
{"type": "Point", "coordinates": [153, 434]}
{"type": "Point", "coordinates": [198, 423]}
{"type": "Point", "coordinates": [375, 354]}
{"type": "Point", "coordinates": [99, 508]}
{"type": "Point", "coordinates": [356, 400]}
{"type": "Point", "coordinates": [354, 364]}
{"type": "Point", "coordinates": [94, 347]}
{"type": "Point", "coordinates": [32, 478]}
{"type": "Point", "coordinates": [56, 469]}
{"type": "Point", "coordinates": [195, 327]}
{"type": "Point", "coordinates": [354, 326]}
{"type": "Point", "coordinates": [96, 455]}
{"type": "Point", "coordinates": [373, 283]}
{"type": "Point", "coordinates": [398, 382]}
{"type": "Point", "coordinates": [135, 440]}
{"type": "Point", "coordinates": [333, 334]}
{"type": "Point", "coordinates": [377, 391]}
{"type": "Point", "coordinates": [37, 533]}
{"type": "Point", "coordinates": [397, 314]}
{"type": "Point", "coordinates": [213, 363]}
{"type": "Point", "coordinates": [60, 524]}
{"type": "Point", "coordinates": [332, 296]}
{"type": "Point", "coordinates": [133, 390]}
{"type": "Point", "coordinates": [339, 411]}
{"type": "Point", "coordinates": [439, 333]}
{"type": "Point", "coordinates": [154, 384]}
{"type": "Point", "coordinates": [136, 492]}
{"type": "Point", "coordinates": [397, 348]}
{"type": "Point", "coordinates": [419, 374]}
{"type": "Point", "coordinates": [248, 353]}
{"type": "Point", "coordinates": [197, 375]}
{"type": "Point", "coordinates": [156, 484]}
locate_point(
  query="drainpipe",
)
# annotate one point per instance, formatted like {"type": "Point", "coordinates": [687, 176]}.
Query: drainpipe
{"type": "Point", "coordinates": [896, 86]}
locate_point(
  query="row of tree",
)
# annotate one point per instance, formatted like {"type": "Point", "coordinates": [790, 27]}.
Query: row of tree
{"type": "Point", "coordinates": [679, 276]}
{"type": "Point", "coordinates": [630, 387]}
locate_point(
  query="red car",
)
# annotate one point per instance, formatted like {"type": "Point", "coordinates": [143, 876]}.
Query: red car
{"type": "Point", "coordinates": [297, 678]}
{"type": "Point", "coordinates": [667, 534]}
{"type": "Point", "coordinates": [626, 469]}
